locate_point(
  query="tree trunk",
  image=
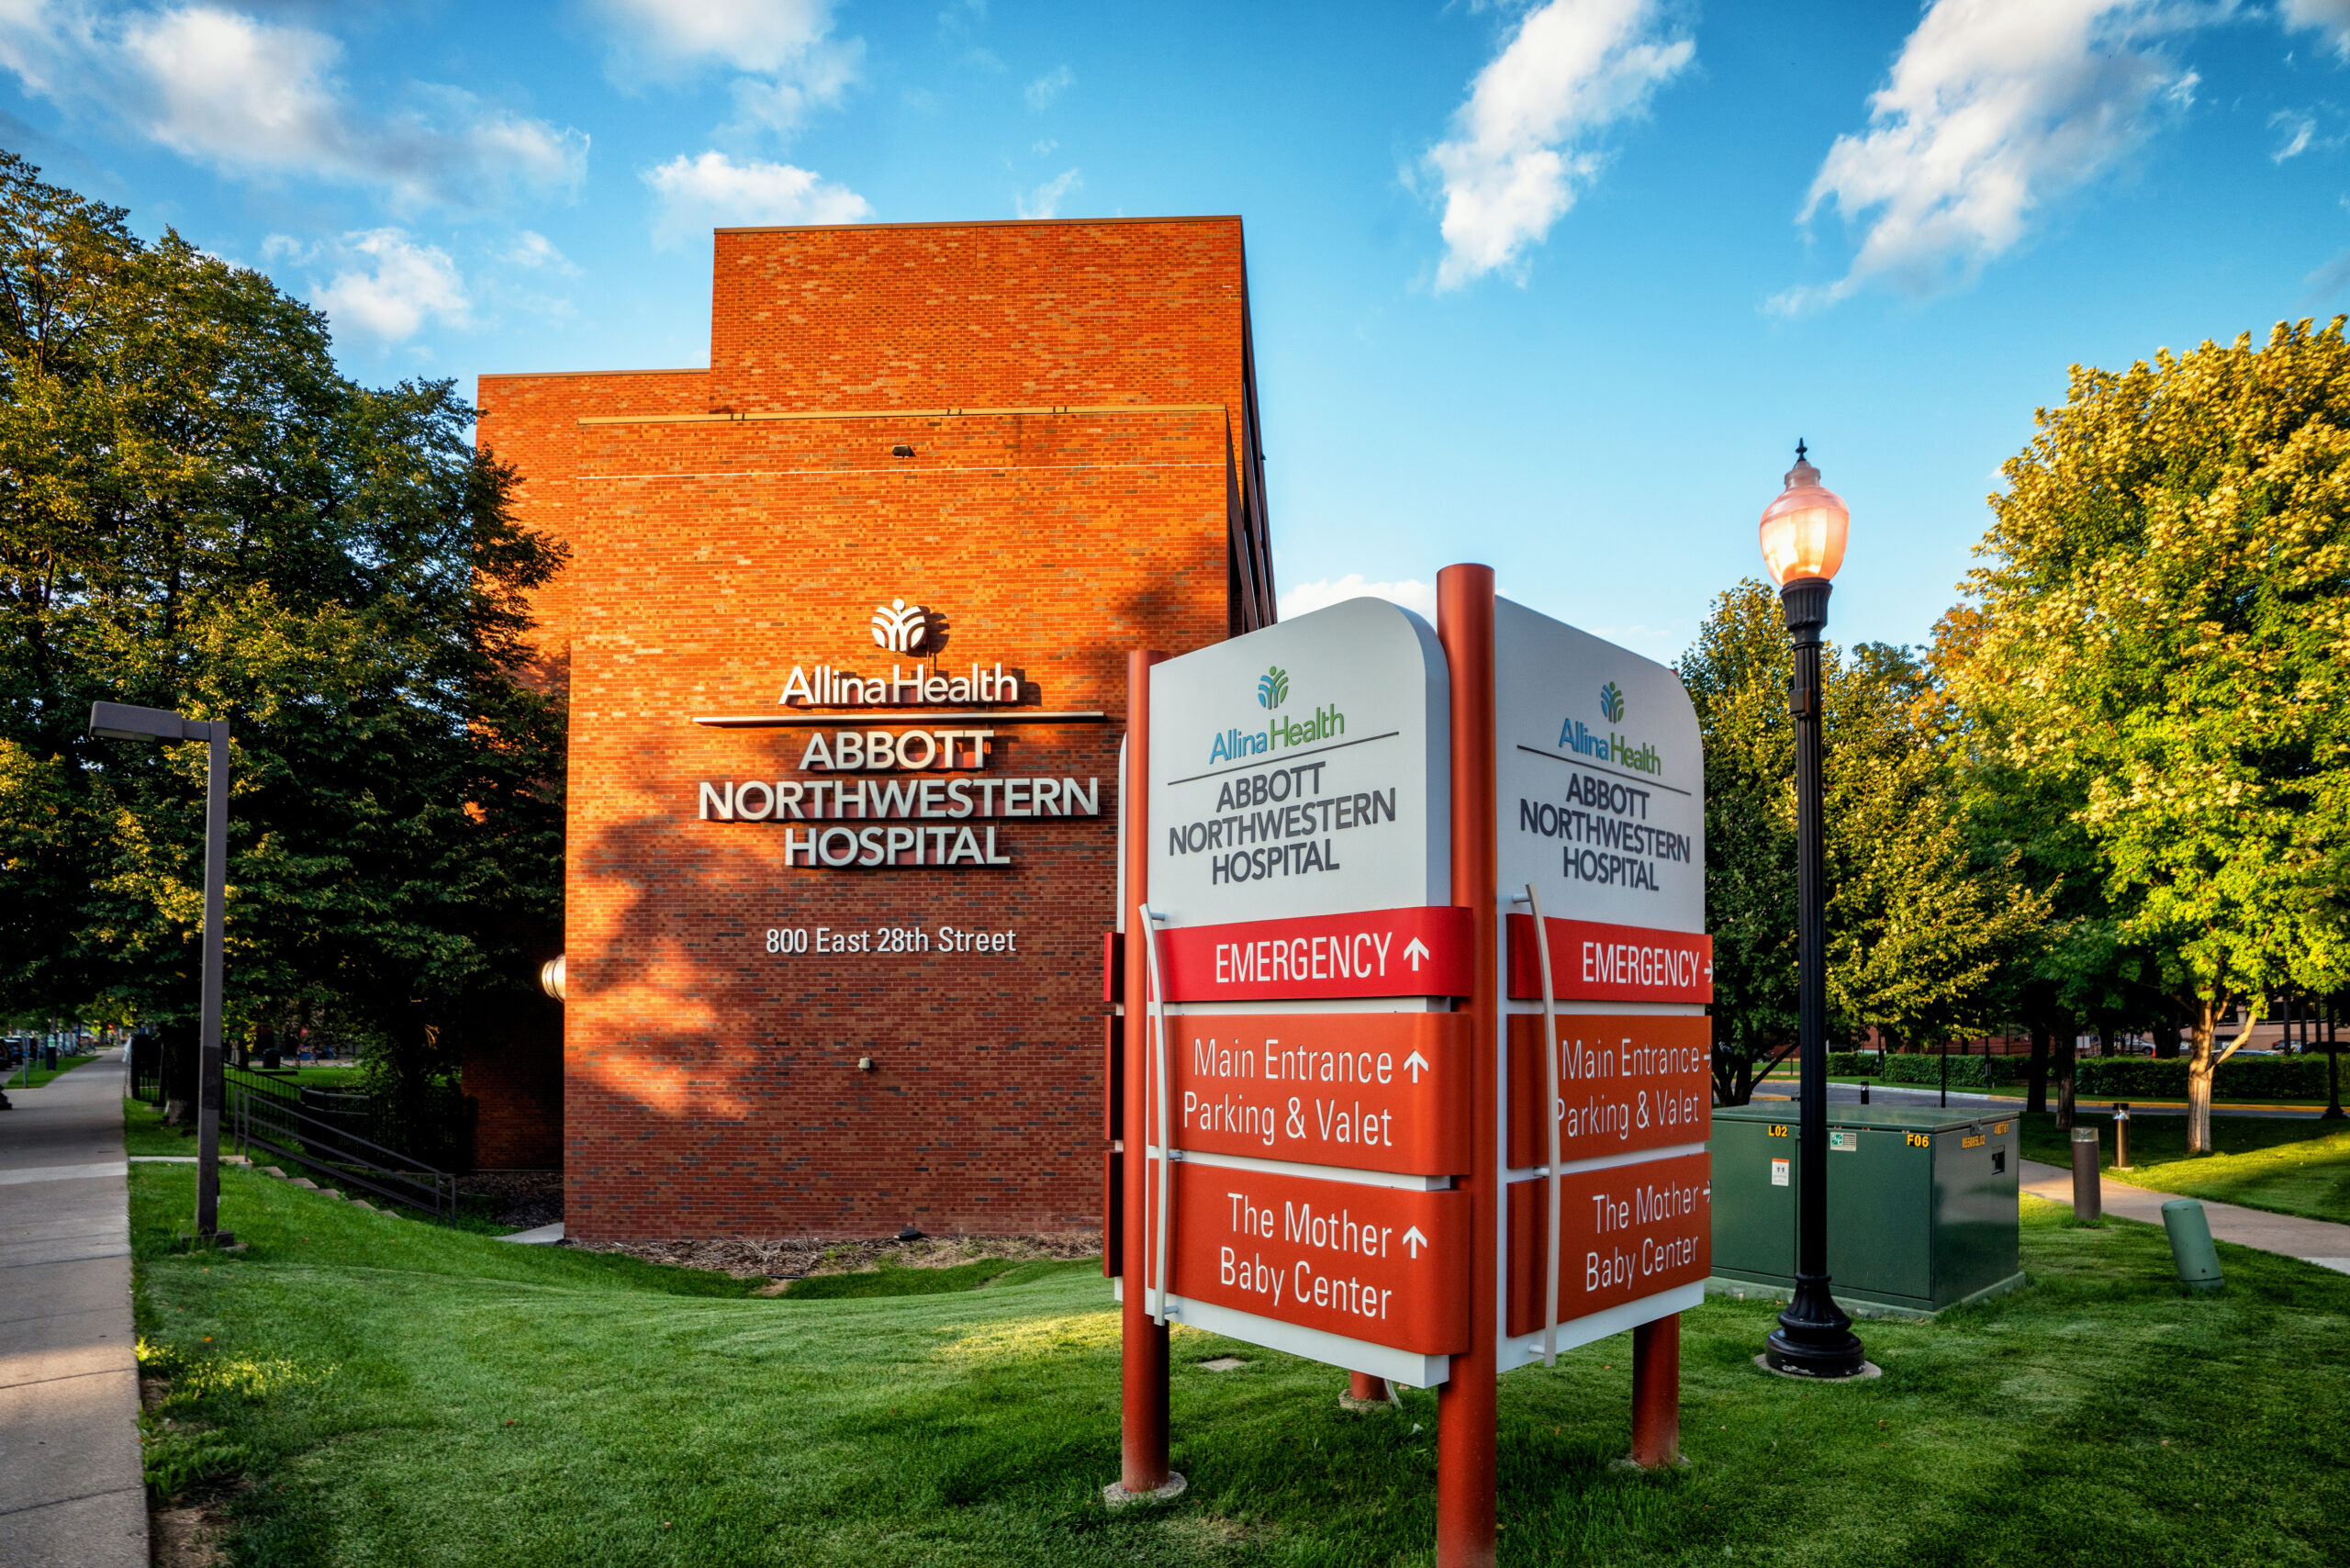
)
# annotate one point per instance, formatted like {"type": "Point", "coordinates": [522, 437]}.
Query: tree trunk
{"type": "Point", "coordinates": [2067, 1047]}
{"type": "Point", "coordinates": [2036, 1098]}
{"type": "Point", "coordinates": [2200, 1068]}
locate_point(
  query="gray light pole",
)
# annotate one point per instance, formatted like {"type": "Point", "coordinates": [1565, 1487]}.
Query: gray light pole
{"type": "Point", "coordinates": [121, 721]}
{"type": "Point", "coordinates": [1803, 542]}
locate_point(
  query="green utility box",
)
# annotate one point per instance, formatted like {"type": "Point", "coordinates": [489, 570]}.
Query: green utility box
{"type": "Point", "coordinates": [1921, 1205]}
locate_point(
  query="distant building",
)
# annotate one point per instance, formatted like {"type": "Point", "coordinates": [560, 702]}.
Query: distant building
{"type": "Point", "coordinates": [844, 634]}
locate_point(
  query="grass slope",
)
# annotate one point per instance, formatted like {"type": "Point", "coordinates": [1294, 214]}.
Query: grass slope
{"type": "Point", "coordinates": [403, 1394]}
{"type": "Point", "coordinates": [2291, 1167]}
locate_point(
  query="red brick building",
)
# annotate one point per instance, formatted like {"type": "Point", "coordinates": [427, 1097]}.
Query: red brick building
{"type": "Point", "coordinates": [834, 964]}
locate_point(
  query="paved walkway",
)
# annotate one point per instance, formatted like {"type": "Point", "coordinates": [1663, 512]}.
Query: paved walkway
{"type": "Point", "coordinates": [2311, 1240]}
{"type": "Point", "coordinates": [70, 1491]}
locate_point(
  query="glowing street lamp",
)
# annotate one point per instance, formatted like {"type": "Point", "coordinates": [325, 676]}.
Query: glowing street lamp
{"type": "Point", "coordinates": [1803, 544]}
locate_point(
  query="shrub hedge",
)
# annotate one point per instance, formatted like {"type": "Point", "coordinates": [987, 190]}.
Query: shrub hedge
{"type": "Point", "coordinates": [2146, 1078]}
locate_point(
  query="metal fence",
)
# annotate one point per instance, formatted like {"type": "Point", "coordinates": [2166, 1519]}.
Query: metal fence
{"type": "Point", "coordinates": [318, 1130]}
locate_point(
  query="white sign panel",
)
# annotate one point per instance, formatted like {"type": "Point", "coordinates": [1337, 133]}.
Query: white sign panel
{"type": "Point", "coordinates": [1302, 769]}
{"type": "Point", "coordinates": [1600, 780]}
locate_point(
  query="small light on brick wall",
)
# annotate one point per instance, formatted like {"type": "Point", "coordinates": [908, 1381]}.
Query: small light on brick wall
{"type": "Point", "coordinates": [865, 1064]}
{"type": "Point", "coordinates": [901, 450]}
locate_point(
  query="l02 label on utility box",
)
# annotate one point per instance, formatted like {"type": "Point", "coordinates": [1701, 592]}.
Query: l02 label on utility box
{"type": "Point", "coordinates": [1382, 1264]}
{"type": "Point", "coordinates": [1361, 1091]}
{"type": "Point", "coordinates": [1625, 1233]}
{"type": "Point", "coordinates": [1592, 962]}
{"type": "Point", "coordinates": [1626, 1082]}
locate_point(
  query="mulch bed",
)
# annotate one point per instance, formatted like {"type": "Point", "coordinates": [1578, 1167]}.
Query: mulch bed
{"type": "Point", "coordinates": [525, 1199]}
{"type": "Point", "coordinates": [747, 1258]}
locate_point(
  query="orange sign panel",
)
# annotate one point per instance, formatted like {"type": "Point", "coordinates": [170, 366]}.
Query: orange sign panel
{"type": "Point", "coordinates": [1623, 1234]}
{"type": "Point", "coordinates": [1593, 962]}
{"type": "Point", "coordinates": [1375, 1263]}
{"type": "Point", "coordinates": [1626, 1082]}
{"type": "Point", "coordinates": [1362, 1091]}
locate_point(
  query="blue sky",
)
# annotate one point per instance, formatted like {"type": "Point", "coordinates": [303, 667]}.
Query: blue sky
{"type": "Point", "coordinates": [1554, 286]}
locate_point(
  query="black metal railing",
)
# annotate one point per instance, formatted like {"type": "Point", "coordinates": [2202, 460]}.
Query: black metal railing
{"type": "Point", "coordinates": [321, 1139]}
{"type": "Point", "coordinates": [147, 1070]}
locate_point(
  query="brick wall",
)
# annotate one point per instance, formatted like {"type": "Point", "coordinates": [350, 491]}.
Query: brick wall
{"type": "Point", "coordinates": [1077, 402]}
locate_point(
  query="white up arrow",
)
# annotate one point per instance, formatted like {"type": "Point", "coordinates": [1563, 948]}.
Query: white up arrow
{"type": "Point", "coordinates": [1418, 1064]}
{"type": "Point", "coordinates": [1414, 1240]}
{"type": "Point", "coordinates": [1415, 952]}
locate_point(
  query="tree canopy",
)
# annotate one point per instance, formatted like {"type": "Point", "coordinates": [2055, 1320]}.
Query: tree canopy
{"type": "Point", "coordinates": [2157, 645]}
{"type": "Point", "coordinates": [1917, 924]}
{"type": "Point", "coordinates": [198, 511]}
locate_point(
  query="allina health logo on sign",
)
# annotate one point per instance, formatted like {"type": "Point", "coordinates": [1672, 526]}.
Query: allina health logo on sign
{"type": "Point", "coordinates": [1620, 750]}
{"type": "Point", "coordinates": [1235, 744]}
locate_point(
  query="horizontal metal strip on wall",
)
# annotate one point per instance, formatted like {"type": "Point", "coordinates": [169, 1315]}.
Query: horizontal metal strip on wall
{"type": "Point", "coordinates": [845, 473]}
{"type": "Point", "coordinates": [855, 718]}
{"type": "Point", "coordinates": [899, 413]}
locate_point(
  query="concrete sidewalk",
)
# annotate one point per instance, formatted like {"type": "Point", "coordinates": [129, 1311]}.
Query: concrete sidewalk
{"type": "Point", "coordinates": [2311, 1240]}
{"type": "Point", "coordinates": [71, 1492]}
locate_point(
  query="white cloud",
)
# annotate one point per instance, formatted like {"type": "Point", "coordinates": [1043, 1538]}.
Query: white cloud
{"type": "Point", "coordinates": [2298, 130]}
{"type": "Point", "coordinates": [1994, 110]}
{"type": "Point", "coordinates": [1045, 201]}
{"type": "Point", "coordinates": [784, 49]}
{"type": "Point", "coordinates": [1041, 93]}
{"type": "Point", "coordinates": [533, 249]}
{"type": "Point", "coordinates": [1412, 594]}
{"type": "Point", "coordinates": [1520, 152]}
{"type": "Point", "coordinates": [763, 35]}
{"type": "Point", "coordinates": [697, 194]}
{"type": "Point", "coordinates": [253, 97]}
{"type": "Point", "coordinates": [387, 285]}
{"type": "Point", "coordinates": [2331, 17]}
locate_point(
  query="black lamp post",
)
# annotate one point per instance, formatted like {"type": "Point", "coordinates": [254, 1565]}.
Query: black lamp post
{"type": "Point", "coordinates": [121, 721]}
{"type": "Point", "coordinates": [1803, 544]}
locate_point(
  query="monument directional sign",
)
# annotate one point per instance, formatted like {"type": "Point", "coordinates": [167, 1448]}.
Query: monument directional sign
{"type": "Point", "coordinates": [1363, 1119]}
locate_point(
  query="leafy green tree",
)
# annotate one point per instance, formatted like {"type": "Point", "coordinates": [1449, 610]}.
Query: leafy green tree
{"type": "Point", "coordinates": [1917, 925]}
{"type": "Point", "coordinates": [197, 512]}
{"type": "Point", "coordinates": [2163, 639]}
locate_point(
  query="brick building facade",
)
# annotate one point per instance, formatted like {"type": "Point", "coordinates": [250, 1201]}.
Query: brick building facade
{"type": "Point", "coordinates": [1041, 439]}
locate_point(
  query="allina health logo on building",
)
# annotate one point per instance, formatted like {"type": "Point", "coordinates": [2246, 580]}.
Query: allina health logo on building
{"type": "Point", "coordinates": [1611, 748]}
{"type": "Point", "coordinates": [1277, 734]}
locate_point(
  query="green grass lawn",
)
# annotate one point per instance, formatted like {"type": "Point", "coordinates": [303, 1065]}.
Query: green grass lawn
{"type": "Point", "coordinates": [16, 1079]}
{"type": "Point", "coordinates": [2292, 1167]}
{"type": "Point", "coordinates": [143, 1131]}
{"type": "Point", "coordinates": [397, 1393]}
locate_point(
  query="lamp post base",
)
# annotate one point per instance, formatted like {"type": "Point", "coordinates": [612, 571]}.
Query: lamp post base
{"type": "Point", "coordinates": [1815, 1337]}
